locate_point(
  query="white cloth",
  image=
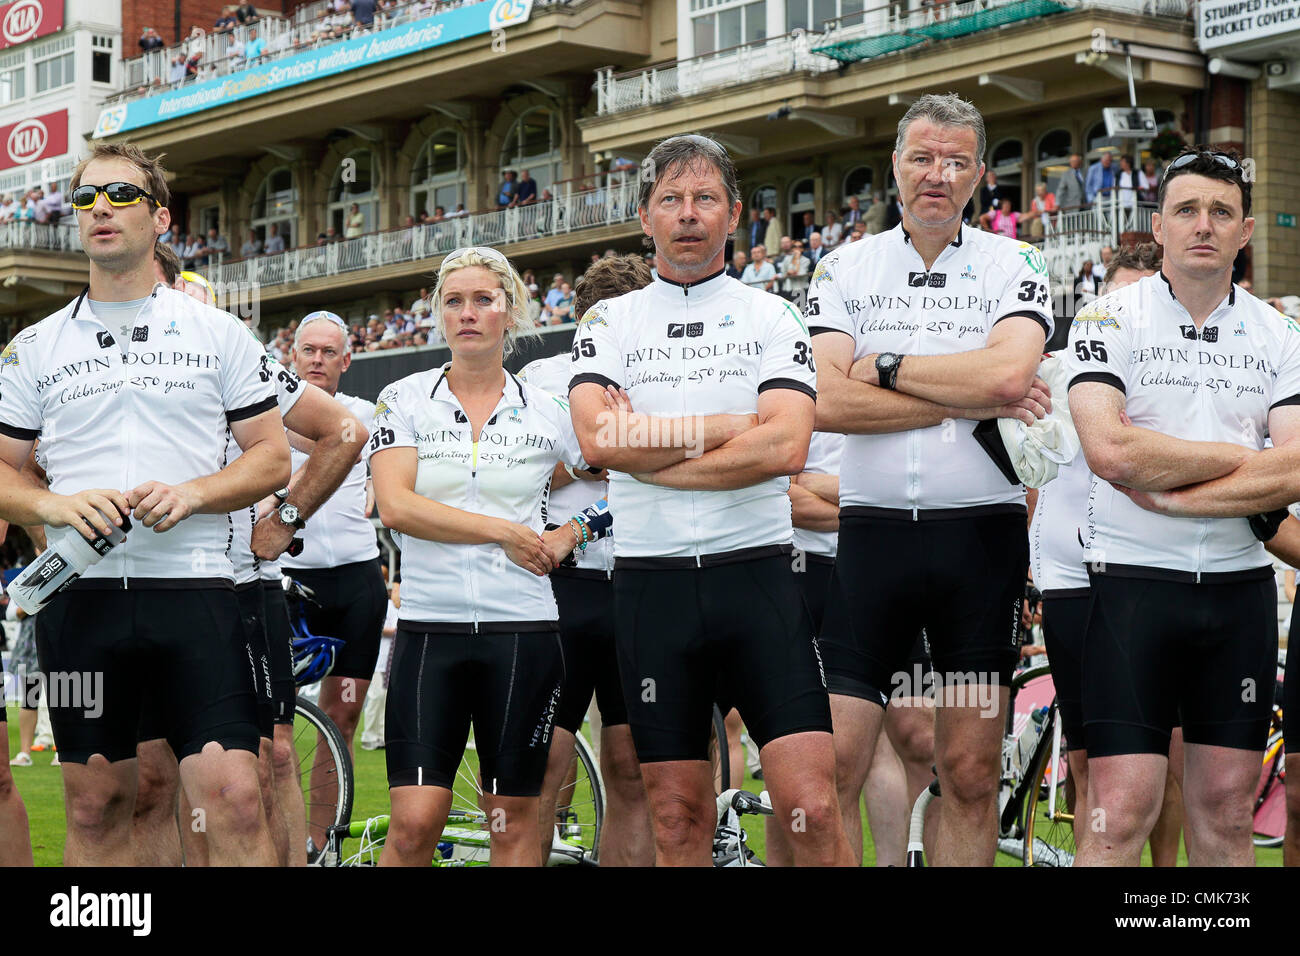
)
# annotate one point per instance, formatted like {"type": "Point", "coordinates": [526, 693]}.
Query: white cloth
{"type": "Point", "coordinates": [1037, 450]}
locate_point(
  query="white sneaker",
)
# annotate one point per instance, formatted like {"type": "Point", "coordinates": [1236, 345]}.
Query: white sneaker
{"type": "Point", "coordinates": [55, 761]}
{"type": "Point", "coordinates": [21, 759]}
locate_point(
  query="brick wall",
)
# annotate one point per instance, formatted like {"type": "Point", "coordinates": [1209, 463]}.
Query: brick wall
{"type": "Point", "coordinates": [1274, 142]}
{"type": "Point", "coordinates": [161, 15]}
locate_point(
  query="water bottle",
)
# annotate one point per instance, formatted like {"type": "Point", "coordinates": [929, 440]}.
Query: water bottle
{"type": "Point", "coordinates": [1028, 741]}
{"type": "Point", "coordinates": [65, 559]}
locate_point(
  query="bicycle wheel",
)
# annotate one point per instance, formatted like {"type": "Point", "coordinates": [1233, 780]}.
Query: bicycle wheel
{"type": "Point", "coordinates": [1049, 824]}
{"type": "Point", "coordinates": [719, 755]}
{"type": "Point", "coordinates": [1270, 800]}
{"type": "Point", "coordinates": [314, 735]}
{"type": "Point", "coordinates": [580, 807]}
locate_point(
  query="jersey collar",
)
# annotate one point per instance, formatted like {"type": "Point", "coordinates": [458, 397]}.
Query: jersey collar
{"type": "Point", "coordinates": [514, 388]}
{"type": "Point", "coordinates": [1232, 292]}
{"type": "Point", "coordinates": [956, 243]}
{"type": "Point", "coordinates": [76, 305]}
{"type": "Point", "coordinates": [701, 287]}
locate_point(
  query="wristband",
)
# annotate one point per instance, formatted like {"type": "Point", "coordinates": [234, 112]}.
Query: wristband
{"type": "Point", "coordinates": [572, 473]}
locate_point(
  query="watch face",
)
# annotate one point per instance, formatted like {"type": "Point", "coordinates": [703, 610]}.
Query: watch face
{"type": "Point", "coordinates": [888, 360]}
{"type": "Point", "coordinates": [288, 514]}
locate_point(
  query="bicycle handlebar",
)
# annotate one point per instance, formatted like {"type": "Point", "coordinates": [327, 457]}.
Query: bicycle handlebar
{"type": "Point", "coordinates": [742, 801]}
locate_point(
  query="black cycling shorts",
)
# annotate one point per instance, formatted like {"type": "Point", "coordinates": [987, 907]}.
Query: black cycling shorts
{"type": "Point", "coordinates": [814, 577]}
{"type": "Point", "coordinates": [279, 646]}
{"type": "Point", "coordinates": [1156, 649]}
{"type": "Point", "coordinates": [252, 616]}
{"type": "Point", "coordinates": [586, 605]}
{"type": "Point", "coordinates": [1065, 621]}
{"type": "Point", "coordinates": [352, 603]}
{"type": "Point", "coordinates": [507, 684]}
{"type": "Point", "coordinates": [179, 655]}
{"type": "Point", "coordinates": [737, 634]}
{"type": "Point", "coordinates": [959, 579]}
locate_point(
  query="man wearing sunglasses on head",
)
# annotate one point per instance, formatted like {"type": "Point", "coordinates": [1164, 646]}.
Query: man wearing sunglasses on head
{"type": "Point", "coordinates": [131, 388]}
{"type": "Point", "coordinates": [339, 560]}
{"type": "Point", "coordinates": [1174, 382]}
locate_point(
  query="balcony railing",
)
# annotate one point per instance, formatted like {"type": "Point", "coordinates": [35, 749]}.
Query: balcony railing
{"type": "Point", "coordinates": [40, 235]}
{"type": "Point", "coordinates": [152, 73]}
{"type": "Point", "coordinates": [578, 205]}
{"type": "Point", "coordinates": [870, 33]}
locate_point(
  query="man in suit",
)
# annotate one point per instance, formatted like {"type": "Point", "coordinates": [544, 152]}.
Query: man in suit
{"type": "Point", "coordinates": [1102, 178]}
{"type": "Point", "coordinates": [755, 228]}
{"type": "Point", "coordinates": [815, 249]}
{"type": "Point", "coordinates": [807, 229]}
{"type": "Point", "coordinates": [893, 213]}
{"type": "Point", "coordinates": [854, 214]}
{"type": "Point", "coordinates": [1070, 187]}
{"type": "Point", "coordinates": [772, 229]}
{"type": "Point", "coordinates": [990, 198]}
{"type": "Point", "coordinates": [877, 216]}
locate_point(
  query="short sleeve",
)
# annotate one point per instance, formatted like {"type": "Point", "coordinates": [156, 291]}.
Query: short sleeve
{"type": "Point", "coordinates": [826, 311]}
{"type": "Point", "coordinates": [391, 426]}
{"type": "Point", "coordinates": [246, 373]}
{"type": "Point", "coordinates": [558, 411]}
{"type": "Point", "coordinates": [787, 360]}
{"type": "Point", "coordinates": [20, 407]}
{"type": "Point", "coordinates": [1286, 387]}
{"type": "Point", "coordinates": [1098, 349]}
{"type": "Point", "coordinates": [596, 354]}
{"type": "Point", "coordinates": [1028, 292]}
{"type": "Point", "coordinates": [288, 389]}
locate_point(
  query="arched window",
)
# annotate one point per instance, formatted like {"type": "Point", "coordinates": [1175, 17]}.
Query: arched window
{"type": "Point", "coordinates": [1165, 119]}
{"type": "Point", "coordinates": [355, 181]}
{"type": "Point", "coordinates": [857, 182]}
{"type": "Point", "coordinates": [1096, 140]}
{"type": "Point", "coordinates": [438, 176]}
{"type": "Point", "coordinates": [1052, 156]}
{"type": "Point", "coordinates": [276, 203]}
{"type": "Point", "coordinates": [1007, 161]}
{"type": "Point", "coordinates": [533, 143]}
{"type": "Point", "coordinates": [802, 200]}
{"type": "Point", "coordinates": [762, 197]}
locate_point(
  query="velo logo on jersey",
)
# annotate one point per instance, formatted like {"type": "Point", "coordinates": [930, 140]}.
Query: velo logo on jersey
{"type": "Point", "coordinates": [170, 330]}
{"type": "Point", "coordinates": [691, 329]}
{"type": "Point", "coordinates": [935, 280]}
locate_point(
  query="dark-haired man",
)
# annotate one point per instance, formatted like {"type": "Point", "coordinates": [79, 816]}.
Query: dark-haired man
{"type": "Point", "coordinates": [1175, 380]}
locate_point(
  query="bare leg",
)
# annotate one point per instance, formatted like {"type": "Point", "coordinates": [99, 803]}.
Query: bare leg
{"type": "Point", "coordinates": [288, 795]}
{"type": "Point", "coordinates": [627, 837]}
{"type": "Point", "coordinates": [154, 835]}
{"type": "Point", "coordinates": [98, 798]}
{"type": "Point", "coordinates": [418, 816]}
{"type": "Point", "coordinates": [15, 834]}
{"type": "Point", "coordinates": [888, 809]}
{"type": "Point", "coordinates": [799, 770]}
{"type": "Point", "coordinates": [224, 784]}
{"type": "Point", "coordinates": [1169, 825]}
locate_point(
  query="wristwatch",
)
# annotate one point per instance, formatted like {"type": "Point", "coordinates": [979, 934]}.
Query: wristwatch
{"type": "Point", "coordinates": [281, 495]}
{"type": "Point", "coordinates": [887, 368]}
{"type": "Point", "coordinates": [289, 516]}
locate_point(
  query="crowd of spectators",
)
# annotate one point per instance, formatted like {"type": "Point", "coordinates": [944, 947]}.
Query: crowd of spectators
{"type": "Point", "coordinates": [35, 205]}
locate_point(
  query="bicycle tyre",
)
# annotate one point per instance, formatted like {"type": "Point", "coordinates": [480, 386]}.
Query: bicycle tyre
{"type": "Point", "coordinates": [1043, 827]}
{"type": "Point", "coordinates": [1276, 778]}
{"type": "Point", "coordinates": [719, 753]}
{"type": "Point", "coordinates": [313, 718]}
{"type": "Point", "coordinates": [590, 768]}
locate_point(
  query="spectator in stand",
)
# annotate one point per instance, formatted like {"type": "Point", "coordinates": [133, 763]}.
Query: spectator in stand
{"type": "Point", "coordinates": [875, 217]}
{"type": "Point", "coordinates": [990, 194]}
{"type": "Point", "coordinates": [1148, 183]}
{"type": "Point", "coordinates": [215, 245]}
{"type": "Point", "coordinates": [736, 267]}
{"type": "Point", "coordinates": [816, 249]}
{"type": "Point", "coordinates": [246, 13]}
{"type": "Point", "coordinates": [235, 54]}
{"type": "Point", "coordinates": [190, 254]}
{"type": "Point", "coordinates": [1102, 267]}
{"type": "Point", "coordinates": [506, 192]}
{"type": "Point", "coordinates": [252, 246]}
{"type": "Point", "coordinates": [274, 241]}
{"type": "Point", "coordinates": [37, 201]}
{"type": "Point", "coordinates": [1002, 221]}
{"type": "Point", "coordinates": [195, 41]}
{"type": "Point", "coordinates": [193, 64]}
{"type": "Point", "coordinates": [1101, 178]}
{"type": "Point", "coordinates": [853, 215]}
{"type": "Point", "coordinates": [177, 244]}
{"type": "Point", "coordinates": [1071, 187]}
{"type": "Point", "coordinates": [7, 207]}
{"type": "Point", "coordinates": [772, 231]}
{"type": "Point", "coordinates": [526, 192]}
{"type": "Point", "coordinates": [563, 311]}
{"type": "Point", "coordinates": [460, 206]}
{"type": "Point", "coordinates": [833, 234]}
{"type": "Point", "coordinates": [1127, 183]}
{"type": "Point", "coordinates": [332, 235]}
{"type": "Point", "coordinates": [255, 47]}
{"type": "Point", "coordinates": [420, 307]}
{"type": "Point", "coordinates": [363, 12]}
{"type": "Point", "coordinates": [227, 21]}
{"type": "Point", "coordinates": [150, 40]}
{"type": "Point", "coordinates": [323, 28]}
{"type": "Point", "coordinates": [1086, 286]}
{"type": "Point", "coordinates": [439, 214]}
{"type": "Point", "coordinates": [858, 232]}
{"type": "Point", "coordinates": [786, 247]}
{"type": "Point", "coordinates": [795, 268]}
{"type": "Point", "coordinates": [552, 294]}
{"type": "Point", "coordinates": [1042, 205]}
{"type": "Point", "coordinates": [759, 274]}
{"type": "Point", "coordinates": [530, 283]}
{"type": "Point", "coordinates": [808, 228]}
{"type": "Point", "coordinates": [894, 212]}
{"type": "Point", "coordinates": [355, 223]}
{"type": "Point", "coordinates": [176, 73]}
{"type": "Point", "coordinates": [342, 19]}
{"type": "Point", "coordinates": [54, 204]}
{"type": "Point", "coordinates": [756, 227]}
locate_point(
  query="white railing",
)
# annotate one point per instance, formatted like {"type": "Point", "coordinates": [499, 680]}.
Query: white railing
{"type": "Point", "coordinates": [1075, 235]}
{"type": "Point", "coordinates": [40, 235]}
{"type": "Point", "coordinates": [611, 199]}
{"type": "Point", "coordinates": [150, 73]}
{"type": "Point", "coordinates": [794, 52]}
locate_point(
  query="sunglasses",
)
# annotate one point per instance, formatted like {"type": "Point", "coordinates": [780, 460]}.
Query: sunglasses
{"type": "Point", "coordinates": [318, 316]}
{"type": "Point", "coordinates": [117, 194]}
{"type": "Point", "coordinates": [487, 252]}
{"type": "Point", "coordinates": [1188, 158]}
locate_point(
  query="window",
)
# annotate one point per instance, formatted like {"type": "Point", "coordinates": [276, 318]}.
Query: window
{"type": "Point", "coordinates": [276, 203]}
{"type": "Point", "coordinates": [55, 72]}
{"type": "Point", "coordinates": [730, 27]}
{"type": "Point", "coordinates": [101, 59]}
{"type": "Point", "coordinates": [762, 197]}
{"type": "Point", "coordinates": [812, 14]}
{"type": "Point", "coordinates": [1053, 154]}
{"type": "Point", "coordinates": [437, 179]}
{"type": "Point", "coordinates": [13, 77]}
{"type": "Point", "coordinates": [858, 183]}
{"type": "Point", "coordinates": [1097, 138]}
{"type": "Point", "coordinates": [533, 143]}
{"type": "Point", "coordinates": [354, 182]}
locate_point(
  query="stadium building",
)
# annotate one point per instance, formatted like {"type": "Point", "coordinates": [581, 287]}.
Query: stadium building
{"type": "Point", "coordinates": [434, 102]}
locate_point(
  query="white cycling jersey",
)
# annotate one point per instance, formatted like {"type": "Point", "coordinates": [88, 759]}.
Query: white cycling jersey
{"type": "Point", "coordinates": [1218, 384]}
{"type": "Point", "coordinates": [1056, 532]}
{"type": "Point", "coordinates": [878, 292]}
{"type": "Point", "coordinates": [339, 532]}
{"type": "Point", "coordinates": [288, 389]}
{"type": "Point", "coordinates": [552, 375]}
{"type": "Point", "coordinates": [704, 348]}
{"type": "Point", "coordinates": [824, 453]}
{"type": "Point", "coordinates": [157, 410]}
{"type": "Point", "coordinates": [505, 474]}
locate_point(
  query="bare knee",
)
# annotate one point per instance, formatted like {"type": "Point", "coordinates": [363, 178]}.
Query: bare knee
{"type": "Point", "coordinates": [98, 807]}
{"type": "Point", "coordinates": [816, 812]}
{"type": "Point", "coordinates": [970, 779]}
{"type": "Point", "coordinates": [284, 759]}
{"type": "Point", "coordinates": [678, 823]}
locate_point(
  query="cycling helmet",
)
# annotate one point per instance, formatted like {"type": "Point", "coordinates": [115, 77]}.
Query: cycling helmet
{"type": "Point", "coordinates": [313, 655]}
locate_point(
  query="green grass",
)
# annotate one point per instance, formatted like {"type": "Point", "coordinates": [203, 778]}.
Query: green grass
{"type": "Point", "coordinates": [42, 791]}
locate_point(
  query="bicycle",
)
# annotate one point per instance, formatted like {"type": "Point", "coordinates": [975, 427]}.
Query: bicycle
{"type": "Point", "coordinates": [1270, 796]}
{"type": "Point", "coordinates": [1035, 795]}
{"type": "Point", "coordinates": [466, 837]}
{"type": "Point", "coordinates": [730, 847]}
{"type": "Point", "coordinates": [312, 731]}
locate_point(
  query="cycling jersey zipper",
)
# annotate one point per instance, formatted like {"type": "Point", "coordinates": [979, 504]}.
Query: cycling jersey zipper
{"type": "Point", "coordinates": [695, 536]}
{"type": "Point", "coordinates": [470, 569]}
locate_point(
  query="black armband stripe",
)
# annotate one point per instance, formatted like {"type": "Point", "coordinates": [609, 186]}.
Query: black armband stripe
{"type": "Point", "coordinates": [791, 383]}
{"type": "Point", "coordinates": [22, 434]}
{"type": "Point", "coordinates": [819, 329]}
{"type": "Point", "coordinates": [1293, 400]}
{"type": "Point", "coordinates": [593, 377]}
{"type": "Point", "coordinates": [1106, 378]}
{"type": "Point", "coordinates": [1030, 315]}
{"type": "Point", "coordinates": [249, 411]}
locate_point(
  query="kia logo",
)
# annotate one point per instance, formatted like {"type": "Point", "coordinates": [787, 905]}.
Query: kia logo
{"type": "Point", "coordinates": [22, 20]}
{"type": "Point", "coordinates": [27, 141]}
